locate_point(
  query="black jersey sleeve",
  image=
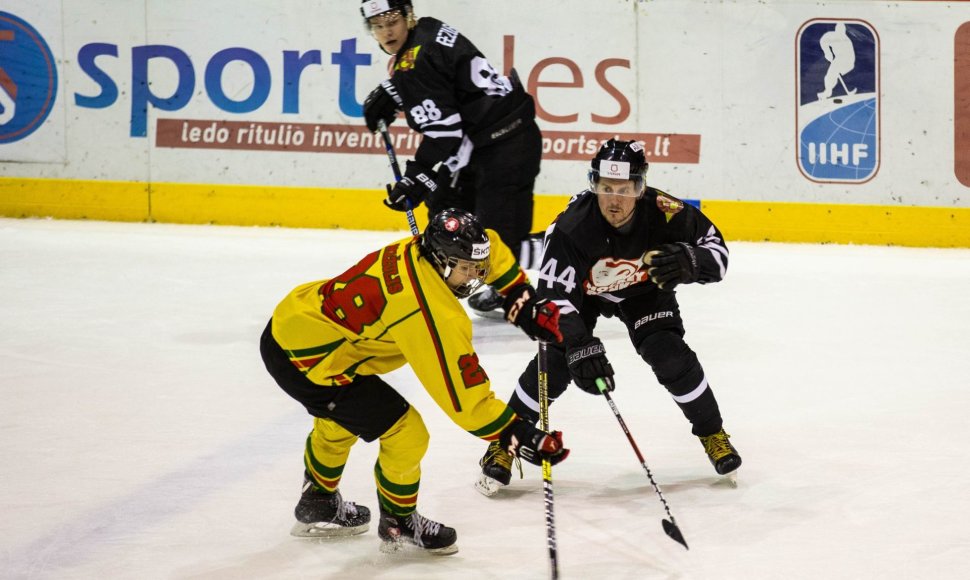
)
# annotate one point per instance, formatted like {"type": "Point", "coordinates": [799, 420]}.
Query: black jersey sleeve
{"type": "Point", "coordinates": [560, 277]}
{"type": "Point", "coordinates": [429, 92]}
{"type": "Point", "coordinates": [676, 221]}
{"type": "Point", "coordinates": [710, 249]}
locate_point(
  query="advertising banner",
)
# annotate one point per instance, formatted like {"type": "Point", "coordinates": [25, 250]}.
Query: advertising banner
{"type": "Point", "coordinates": [31, 106]}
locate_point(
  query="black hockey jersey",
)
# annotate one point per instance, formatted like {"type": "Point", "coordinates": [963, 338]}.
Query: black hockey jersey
{"type": "Point", "coordinates": [585, 256]}
{"type": "Point", "coordinates": [453, 96]}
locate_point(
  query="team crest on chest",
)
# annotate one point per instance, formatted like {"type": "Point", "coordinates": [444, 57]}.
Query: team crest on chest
{"type": "Point", "coordinates": [669, 206]}
{"type": "Point", "coordinates": [407, 60]}
{"type": "Point", "coordinates": [613, 274]}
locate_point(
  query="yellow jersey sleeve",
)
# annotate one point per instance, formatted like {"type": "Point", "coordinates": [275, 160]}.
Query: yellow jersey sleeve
{"type": "Point", "coordinates": [437, 343]}
{"type": "Point", "coordinates": [505, 272]}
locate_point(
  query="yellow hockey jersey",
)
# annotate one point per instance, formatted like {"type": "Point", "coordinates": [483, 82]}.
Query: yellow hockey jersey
{"type": "Point", "coordinates": [393, 308]}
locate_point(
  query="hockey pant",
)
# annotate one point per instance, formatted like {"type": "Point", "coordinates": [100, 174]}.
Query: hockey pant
{"type": "Point", "coordinates": [367, 408]}
{"type": "Point", "coordinates": [497, 186]}
{"type": "Point", "coordinates": [657, 332]}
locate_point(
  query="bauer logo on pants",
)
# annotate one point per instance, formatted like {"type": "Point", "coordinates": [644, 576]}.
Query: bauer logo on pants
{"type": "Point", "coordinates": [28, 79]}
{"type": "Point", "coordinates": [837, 96]}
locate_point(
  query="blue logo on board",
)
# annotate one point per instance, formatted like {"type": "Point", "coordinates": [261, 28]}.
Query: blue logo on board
{"type": "Point", "coordinates": [838, 101]}
{"type": "Point", "coordinates": [28, 79]}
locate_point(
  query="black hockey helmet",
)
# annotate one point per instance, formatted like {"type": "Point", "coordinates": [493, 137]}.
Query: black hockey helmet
{"type": "Point", "coordinates": [371, 8]}
{"type": "Point", "coordinates": [455, 240]}
{"type": "Point", "coordinates": [619, 160]}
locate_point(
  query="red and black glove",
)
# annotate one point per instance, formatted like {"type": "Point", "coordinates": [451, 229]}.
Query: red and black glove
{"type": "Point", "coordinates": [523, 440]}
{"type": "Point", "coordinates": [537, 317]}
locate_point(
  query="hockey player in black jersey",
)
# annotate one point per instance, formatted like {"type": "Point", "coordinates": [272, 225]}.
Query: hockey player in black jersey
{"type": "Point", "coordinates": [621, 248]}
{"type": "Point", "coordinates": [480, 148]}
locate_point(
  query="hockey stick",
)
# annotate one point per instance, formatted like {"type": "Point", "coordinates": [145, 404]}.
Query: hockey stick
{"type": "Point", "coordinates": [392, 157]}
{"type": "Point", "coordinates": [670, 526]}
{"type": "Point", "coordinates": [846, 88]}
{"type": "Point", "coordinates": [546, 466]}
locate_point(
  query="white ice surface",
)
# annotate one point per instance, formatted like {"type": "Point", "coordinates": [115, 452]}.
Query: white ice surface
{"type": "Point", "coordinates": [141, 437]}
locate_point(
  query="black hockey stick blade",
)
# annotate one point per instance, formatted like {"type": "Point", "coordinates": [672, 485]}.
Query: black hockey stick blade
{"type": "Point", "coordinates": [671, 529]}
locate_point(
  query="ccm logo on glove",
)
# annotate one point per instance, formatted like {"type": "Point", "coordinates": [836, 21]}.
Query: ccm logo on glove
{"type": "Point", "coordinates": [537, 317]}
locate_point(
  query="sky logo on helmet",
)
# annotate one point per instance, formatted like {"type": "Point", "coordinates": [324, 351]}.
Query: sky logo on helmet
{"type": "Point", "coordinates": [28, 79]}
{"type": "Point", "coordinates": [837, 95]}
{"type": "Point", "coordinates": [480, 251]}
{"type": "Point", "coordinates": [615, 169]}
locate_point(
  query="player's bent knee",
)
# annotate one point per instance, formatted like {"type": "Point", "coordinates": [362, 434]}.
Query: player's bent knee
{"type": "Point", "coordinates": [408, 435]}
{"type": "Point", "coordinates": [667, 354]}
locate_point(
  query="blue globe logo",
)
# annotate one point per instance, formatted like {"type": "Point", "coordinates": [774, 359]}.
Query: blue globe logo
{"type": "Point", "coordinates": [842, 143]}
{"type": "Point", "coordinates": [28, 79]}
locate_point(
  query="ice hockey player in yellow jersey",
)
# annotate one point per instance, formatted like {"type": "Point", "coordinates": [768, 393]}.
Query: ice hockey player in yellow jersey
{"type": "Point", "coordinates": [329, 341]}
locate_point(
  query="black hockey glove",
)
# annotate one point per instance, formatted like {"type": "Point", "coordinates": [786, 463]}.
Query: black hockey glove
{"type": "Point", "coordinates": [382, 104]}
{"type": "Point", "coordinates": [413, 188]}
{"type": "Point", "coordinates": [523, 440]}
{"type": "Point", "coordinates": [537, 317]}
{"type": "Point", "coordinates": [587, 362]}
{"type": "Point", "coordinates": [671, 264]}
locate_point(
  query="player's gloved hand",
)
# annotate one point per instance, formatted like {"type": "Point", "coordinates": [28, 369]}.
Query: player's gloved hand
{"type": "Point", "coordinates": [382, 104]}
{"type": "Point", "coordinates": [413, 188]}
{"type": "Point", "coordinates": [537, 317]}
{"type": "Point", "coordinates": [587, 362]}
{"type": "Point", "coordinates": [523, 440]}
{"type": "Point", "coordinates": [671, 264]}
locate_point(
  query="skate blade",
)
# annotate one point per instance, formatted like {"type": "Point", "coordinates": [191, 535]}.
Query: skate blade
{"type": "Point", "coordinates": [403, 548]}
{"type": "Point", "coordinates": [497, 314]}
{"type": "Point", "coordinates": [326, 530]}
{"type": "Point", "coordinates": [487, 486]}
{"type": "Point", "coordinates": [732, 478]}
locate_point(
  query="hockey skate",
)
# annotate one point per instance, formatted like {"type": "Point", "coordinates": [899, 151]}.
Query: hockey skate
{"type": "Point", "coordinates": [401, 533]}
{"type": "Point", "coordinates": [724, 457]}
{"type": "Point", "coordinates": [496, 469]}
{"type": "Point", "coordinates": [487, 303]}
{"type": "Point", "coordinates": [326, 515]}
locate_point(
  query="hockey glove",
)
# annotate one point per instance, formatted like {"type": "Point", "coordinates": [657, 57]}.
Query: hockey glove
{"type": "Point", "coordinates": [413, 188]}
{"type": "Point", "coordinates": [523, 440]}
{"type": "Point", "coordinates": [671, 264]}
{"type": "Point", "coordinates": [587, 362]}
{"type": "Point", "coordinates": [382, 104]}
{"type": "Point", "coordinates": [537, 317]}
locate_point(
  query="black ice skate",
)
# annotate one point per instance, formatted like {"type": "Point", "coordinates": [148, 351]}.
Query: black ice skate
{"type": "Point", "coordinates": [400, 532]}
{"type": "Point", "coordinates": [496, 469]}
{"type": "Point", "coordinates": [724, 457]}
{"type": "Point", "coordinates": [326, 515]}
{"type": "Point", "coordinates": [487, 303]}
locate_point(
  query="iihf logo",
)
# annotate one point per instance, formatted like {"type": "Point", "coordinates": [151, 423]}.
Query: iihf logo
{"type": "Point", "coordinates": [837, 115]}
{"type": "Point", "coordinates": [28, 79]}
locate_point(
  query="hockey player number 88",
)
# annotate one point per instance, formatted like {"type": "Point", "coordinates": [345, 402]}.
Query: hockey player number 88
{"type": "Point", "coordinates": [485, 77]}
{"type": "Point", "coordinates": [426, 111]}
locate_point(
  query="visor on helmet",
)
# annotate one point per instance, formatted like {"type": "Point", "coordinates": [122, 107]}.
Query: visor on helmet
{"type": "Point", "coordinates": [465, 277]}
